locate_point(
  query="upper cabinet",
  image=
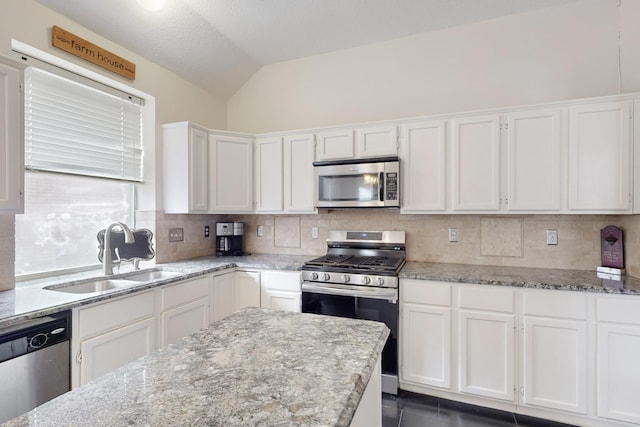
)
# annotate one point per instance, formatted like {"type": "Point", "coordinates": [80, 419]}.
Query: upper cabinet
{"type": "Point", "coordinates": [369, 141]}
{"type": "Point", "coordinates": [299, 193]}
{"type": "Point", "coordinates": [335, 145]}
{"type": "Point", "coordinates": [230, 173]}
{"type": "Point", "coordinates": [269, 175]}
{"type": "Point", "coordinates": [185, 168]}
{"type": "Point", "coordinates": [600, 161]}
{"type": "Point", "coordinates": [11, 137]}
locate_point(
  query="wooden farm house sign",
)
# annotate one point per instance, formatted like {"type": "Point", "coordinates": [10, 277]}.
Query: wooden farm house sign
{"type": "Point", "coordinates": [88, 51]}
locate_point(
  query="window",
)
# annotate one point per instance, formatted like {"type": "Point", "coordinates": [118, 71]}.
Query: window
{"type": "Point", "coordinates": [83, 155]}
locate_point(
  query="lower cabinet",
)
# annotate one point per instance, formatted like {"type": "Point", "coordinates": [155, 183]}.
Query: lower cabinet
{"type": "Point", "coordinates": [110, 334]}
{"type": "Point", "coordinates": [222, 295]}
{"type": "Point", "coordinates": [184, 309]}
{"type": "Point", "coordinates": [618, 350]}
{"type": "Point", "coordinates": [246, 290]}
{"type": "Point", "coordinates": [281, 290]}
{"type": "Point", "coordinates": [567, 356]}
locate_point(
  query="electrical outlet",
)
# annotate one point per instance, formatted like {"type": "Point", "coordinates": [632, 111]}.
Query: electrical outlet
{"type": "Point", "coordinates": [453, 234]}
{"type": "Point", "coordinates": [206, 231]}
{"type": "Point", "coordinates": [314, 232]}
{"type": "Point", "coordinates": [260, 230]}
{"type": "Point", "coordinates": [552, 237]}
{"type": "Point", "coordinates": [176, 234]}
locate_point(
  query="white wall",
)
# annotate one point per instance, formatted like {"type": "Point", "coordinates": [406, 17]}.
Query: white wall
{"type": "Point", "coordinates": [554, 54]}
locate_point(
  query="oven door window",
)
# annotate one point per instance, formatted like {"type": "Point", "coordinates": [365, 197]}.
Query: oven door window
{"type": "Point", "coordinates": [363, 187]}
{"type": "Point", "coordinates": [360, 308]}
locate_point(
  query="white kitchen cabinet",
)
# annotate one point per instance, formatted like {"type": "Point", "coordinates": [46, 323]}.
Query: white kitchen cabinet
{"type": "Point", "coordinates": [534, 160]}
{"type": "Point", "coordinates": [281, 290]}
{"type": "Point", "coordinates": [269, 171]}
{"type": "Point", "coordinates": [475, 167]}
{"type": "Point", "coordinates": [12, 136]}
{"type": "Point", "coordinates": [184, 308]}
{"type": "Point", "coordinates": [185, 168]}
{"type": "Point", "coordinates": [299, 191]}
{"type": "Point", "coordinates": [335, 145]}
{"type": "Point", "coordinates": [246, 289]}
{"type": "Point", "coordinates": [110, 334]}
{"type": "Point", "coordinates": [600, 160]}
{"type": "Point", "coordinates": [377, 141]}
{"type": "Point", "coordinates": [554, 350]}
{"type": "Point", "coordinates": [618, 352]}
{"type": "Point", "coordinates": [423, 162]}
{"type": "Point", "coordinates": [425, 333]}
{"type": "Point", "coordinates": [487, 352]}
{"type": "Point", "coordinates": [230, 173]}
{"type": "Point", "coordinates": [222, 295]}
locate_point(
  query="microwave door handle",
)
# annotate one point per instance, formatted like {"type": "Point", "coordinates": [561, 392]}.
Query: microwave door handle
{"type": "Point", "coordinates": [381, 187]}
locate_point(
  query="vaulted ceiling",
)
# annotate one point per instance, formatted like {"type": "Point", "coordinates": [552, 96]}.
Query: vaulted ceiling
{"type": "Point", "coordinates": [220, 44]}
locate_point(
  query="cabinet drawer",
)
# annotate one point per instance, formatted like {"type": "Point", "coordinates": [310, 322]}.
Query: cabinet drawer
{"type": "Point", "coordinates": [113, 314]}
{"type": "Point", "coordinates": [425, 292]}
{"type": "Point", "coordinates": [282, 280]}
{"type": "Point", "coordinates": [619, 309]}
{"type": "Point", "coordinates": [183, 292]}
{"type": "Point", "coordinates": [559, 304]}
{"type": "Point", "coordinates": [486, 297]}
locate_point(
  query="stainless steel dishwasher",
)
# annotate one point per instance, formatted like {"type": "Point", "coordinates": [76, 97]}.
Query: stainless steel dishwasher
{"type": "Point", "coordinates": [34, 363]}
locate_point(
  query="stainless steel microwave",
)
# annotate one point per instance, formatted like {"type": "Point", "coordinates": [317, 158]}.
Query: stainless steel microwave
{"type": "Point", "coordinates": [363, 183]}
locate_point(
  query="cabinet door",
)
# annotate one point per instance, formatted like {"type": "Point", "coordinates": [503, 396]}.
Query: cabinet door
{"type": "Point", "coordinates": [487, 354]}
{"type": "Point", "coordinates": [336, 144]}
{"type": "Point", "coordinates": [426, 345]}
{"type": "Point", "coordinates": [181, 321]}
{"type": "Point", "coordinates": [299, 191]}
{"type": "Point", "coordinates": [106, 352]}
{"type": "Point", "coordinates": [600, 157]}
{"type": "Point", "coordinates": [423, 162]}
{"type": "Point", "coordinates": [231, 174]}
{"type": "Point", "coordinates": [222, 296]}
{"type": "Point", "coordinates": [619, 372]}
{"type": "Point", "coordinates": [533, 160]}
{"type": "Point", "coordinates": [281, 300]}
{"type": "Point", "coordinates": [269, 175]}
{"type": "Point", "coordinates": [247, 289]}
{"type": "Point", "coordinates": [11, 137]}
{"type": "Point", "coordinates": [555, 364]}
{"type": "Point", "coordinates": [377, 141]}
{"type": "Point", "coordinates": [198, 171]}
{"type": "Point", "coordinates": [475, 174]}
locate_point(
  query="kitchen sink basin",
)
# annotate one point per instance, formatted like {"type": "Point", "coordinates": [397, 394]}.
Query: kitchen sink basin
{"type": "Point", "coordinates": [148, 276]}
{"type": "Point", "coordinates": [92, 286]}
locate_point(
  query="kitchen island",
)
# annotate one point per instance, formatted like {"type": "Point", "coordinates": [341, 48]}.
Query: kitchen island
{"type": "Point", "coordinates": [256, 367]}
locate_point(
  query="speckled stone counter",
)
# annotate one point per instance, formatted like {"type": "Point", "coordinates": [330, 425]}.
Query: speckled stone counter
{"type": "Point", "coordinates": [255, 368]}
{"type": "Point", "coordinates": [30, 300]}
{"type": "Point", "coordinates": [542, 278]}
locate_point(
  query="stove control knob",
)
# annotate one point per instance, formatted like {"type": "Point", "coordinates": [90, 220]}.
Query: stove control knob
{"type": "Point", "coordinates": [325, 276]}
{"type": "Point", "coordinates": [366, 280]}
{"type": "Point", "coordinates": [345, 278]}
{"type": "Point", "coordinates": [314, 276]}
{"type": "Point", "coordinates": [379, 281]}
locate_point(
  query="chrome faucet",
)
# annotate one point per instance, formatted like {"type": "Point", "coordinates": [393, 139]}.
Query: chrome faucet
{"type": "Point", "coordinates": [107, 262]}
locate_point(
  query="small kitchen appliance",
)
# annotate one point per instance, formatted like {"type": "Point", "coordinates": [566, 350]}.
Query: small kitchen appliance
{"type": "Point", "coordinates": [358, 278]}
{"type": "Point", "coordinates": [362, 183]}
{"type": "Point", "coordinates": [229, 238]}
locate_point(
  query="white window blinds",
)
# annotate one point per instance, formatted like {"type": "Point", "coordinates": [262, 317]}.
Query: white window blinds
{"type": "Point", "coordinates": [74, 128]}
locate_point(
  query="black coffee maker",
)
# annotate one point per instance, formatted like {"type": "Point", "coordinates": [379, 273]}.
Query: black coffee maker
{"type": "Point", "coordinates": [229, 238]}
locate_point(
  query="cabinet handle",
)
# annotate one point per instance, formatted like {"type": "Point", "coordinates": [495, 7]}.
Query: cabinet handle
{"type": "Point", "coordinates": [79, 357]}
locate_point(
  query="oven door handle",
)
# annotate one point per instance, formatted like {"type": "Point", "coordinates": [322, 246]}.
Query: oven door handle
{"type": "Point", "coordinates": [389, 294]}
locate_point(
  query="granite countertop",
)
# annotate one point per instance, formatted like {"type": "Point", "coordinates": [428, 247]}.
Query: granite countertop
{"type": "Point", "coordinates": [541, 278]}
{"type": "Point", "coordinates": [257, 367]}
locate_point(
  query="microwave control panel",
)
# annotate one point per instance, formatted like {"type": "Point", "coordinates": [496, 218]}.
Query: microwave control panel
{"type": "Point", "coordinates": [391, 186]}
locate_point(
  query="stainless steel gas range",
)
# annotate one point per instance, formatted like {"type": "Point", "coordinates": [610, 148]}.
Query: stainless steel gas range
{"type": "Point", "coordinates": [358, 278]}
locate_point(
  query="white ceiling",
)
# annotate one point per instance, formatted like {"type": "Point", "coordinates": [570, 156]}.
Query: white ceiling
{"type": "Point", "coordinates": [219, 44]}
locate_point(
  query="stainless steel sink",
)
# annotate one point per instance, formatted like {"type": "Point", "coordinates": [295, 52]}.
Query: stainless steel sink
{"type": "Point", "coordinates": [93, 286]}
{"type": "Point", "coordinates": [148, 276]}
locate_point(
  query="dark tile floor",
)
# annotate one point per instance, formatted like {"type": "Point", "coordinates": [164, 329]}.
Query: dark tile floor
{"type": "Point", "coordinates": [416, 410]}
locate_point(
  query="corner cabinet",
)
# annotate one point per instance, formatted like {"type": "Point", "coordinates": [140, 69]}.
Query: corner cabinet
{"type": "Point", "coordinates": [230, 173]}
{"type": "Point", "coordinates": [12, 136]}
{"type": "Point", "coordinates": [185, 168]}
